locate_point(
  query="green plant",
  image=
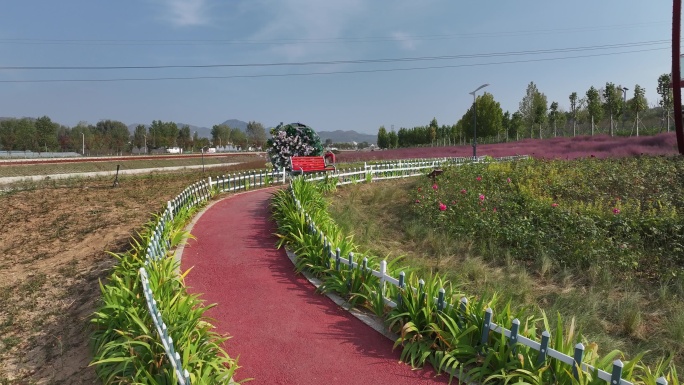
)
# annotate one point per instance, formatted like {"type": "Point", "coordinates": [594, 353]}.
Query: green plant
{"type": "Point", "coordinates": [126, 347]}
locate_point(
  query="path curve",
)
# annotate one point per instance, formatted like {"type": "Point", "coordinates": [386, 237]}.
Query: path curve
{"type": "Point", "coordinates": [282, 331]}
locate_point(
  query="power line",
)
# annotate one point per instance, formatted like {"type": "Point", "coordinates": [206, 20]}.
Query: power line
{"type": "Point", "coordinates": [357, 61]}
{"type": "Point", "coordinates": [327, 73]}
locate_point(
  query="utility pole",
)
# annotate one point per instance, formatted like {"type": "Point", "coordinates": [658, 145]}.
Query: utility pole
{"type": "Point", "coordinates": [624, 107]}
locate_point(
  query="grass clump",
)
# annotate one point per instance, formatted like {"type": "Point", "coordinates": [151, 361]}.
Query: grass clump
{"type": "Point", "coordinates": [126, 344]}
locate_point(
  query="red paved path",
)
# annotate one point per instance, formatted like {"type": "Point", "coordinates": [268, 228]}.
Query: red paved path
{"type": "Point", "coordinates": [283, 332]}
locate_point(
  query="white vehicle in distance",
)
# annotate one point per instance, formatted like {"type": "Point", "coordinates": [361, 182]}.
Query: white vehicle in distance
{"type": "Point", "coordinates": [174, 150]}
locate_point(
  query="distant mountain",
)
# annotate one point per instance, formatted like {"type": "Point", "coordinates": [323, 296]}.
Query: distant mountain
{"type": "Point", "coordinates": [234, 123]}
{"type": "Point", "coordinates": [339, 136]}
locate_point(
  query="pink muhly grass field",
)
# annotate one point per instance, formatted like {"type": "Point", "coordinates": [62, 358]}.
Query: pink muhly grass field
{"type": "Point", "coordinates": [599, 146]}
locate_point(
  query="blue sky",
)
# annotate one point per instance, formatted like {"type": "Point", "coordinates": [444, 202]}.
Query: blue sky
{"type": "Point", "coordinates": [145, 33]}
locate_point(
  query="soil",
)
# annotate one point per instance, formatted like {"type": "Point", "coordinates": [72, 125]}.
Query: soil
{"type": "Point", "coordinates": [55, 239]}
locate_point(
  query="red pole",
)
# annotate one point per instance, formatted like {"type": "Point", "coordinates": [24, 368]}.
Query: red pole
{"type": "Point", "coordinates": [676, 73]}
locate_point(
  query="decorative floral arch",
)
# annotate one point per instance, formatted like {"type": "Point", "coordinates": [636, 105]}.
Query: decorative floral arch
{"type": "Point", "coordinates": [294, 139]}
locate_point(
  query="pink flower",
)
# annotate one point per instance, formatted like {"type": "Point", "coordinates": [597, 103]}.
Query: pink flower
{"type": "Point", "coordinates": [417, 200]}
{"type": "Point", "coordinates": [554, 204]}
{"type": "Point", "coordinates": [479, 178]}
{"type": "Point", "coordinates": [453, 202]}
{"type": "Point", "coordinates": [420, 189]}
{"type": "Point", "coordinates": [494, 209]}
{"type": "Point", "coordinates": [442, 206]}
{"type": "Point", "coordinates": [616, 211]}
{"type": "Point", "coordinates": [463, 191]}
{"type": "Point", "coordinates": [434, 186]}
{"type": "Point", "coordinates": [482, 197]}
{"type": "Point", "coordinates": [508, 180]}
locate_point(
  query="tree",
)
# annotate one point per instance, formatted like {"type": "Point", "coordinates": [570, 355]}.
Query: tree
{"type": "Point", "coordinates": [238, 137]}
{"type": "Point", "coordinates": [539, 108]}
{"type": "Point", "coordinates": [256, 134]}
{"type": "Point", "coordinates": [574, 107]}
{"type": "Point", "coordinates": [506, 122]}
{"type": "Point", "coordinates": [554, 116]}
{"type": "Point", "coordinates": [517, 124]}
{"type": "Point", "coordinates": [156, 131]}
{"type": "Point", "coordinates": [594, 106]}
{"type": "Point", "coordinates": [114, 135]}
{"type": "Point", "coordinates": [82, 134]}
{"type": "Point", "coordinates": [433, 130]}
{"type": "Point", "coordinates": [612, 97]}
{"type": "Point", "coordinates": [26, 134]}
{"type": "Point", "coordinates": [666, 98]}
{"type": "Point", "coordinates": [638, 104]}
{"type": "Point", "coordinates": [8, 134]}
{"type": "Point", "coordinates": [526, 106]}
{"type": "Point", "coordinates": [393, 139]}
{"type": "Point", "coordinates": [220, 134]}
{"type": "Point", "coordinates": [195, 141]}
{"type": "Point", "coordinates": [383, 138]}
{"type": "Point", "coordinates": [46, 133]}
{"type": "Point", "coordinates": [184, 141]}
{"type": "Point", "coordinates": [489, 117]}
{"type": "Point", "coordinates": [64, 139]}
{"type": "Point", "coordinates": [140, 137]}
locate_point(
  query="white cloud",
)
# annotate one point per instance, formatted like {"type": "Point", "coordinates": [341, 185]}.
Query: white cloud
{"type": "Point", "coordinates": [309, 23]}
{"type": "Point", "coordinates": [405, 41]}
{"type": "Point", "coordinates": [185, 13]}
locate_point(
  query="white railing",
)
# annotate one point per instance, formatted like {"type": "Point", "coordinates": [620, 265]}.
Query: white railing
{"type": "Point", "coordinates": [410, 168]}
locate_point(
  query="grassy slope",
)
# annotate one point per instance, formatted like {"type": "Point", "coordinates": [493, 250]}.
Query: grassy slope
{"type": "Point", "coordinates": [624, 314]}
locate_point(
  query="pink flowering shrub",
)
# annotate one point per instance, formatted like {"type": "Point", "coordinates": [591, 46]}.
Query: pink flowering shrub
{"type": "Point", "coordinates": [617, 212]}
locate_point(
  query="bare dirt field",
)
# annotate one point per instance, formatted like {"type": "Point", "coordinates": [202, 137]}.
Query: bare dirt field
{"type": "Point", "coordinates": [54, 240]}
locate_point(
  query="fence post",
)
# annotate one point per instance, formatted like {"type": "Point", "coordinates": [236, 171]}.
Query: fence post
{"type": "Point", "coordinates": [365, 264]}
{"type": "Point", "coordinates": [402, 277]}
{"type": "Point", "coordinates": [383, 272]}
{"type": "Point", "coordinates": [168, 207]}
{"type": "Point", "coordinates": [616, 375]}
{"type": "Point", "coordinates": [513, 340]}
{"type": "Point", "coordinates": [579, 352]}
{"type": "Point", "coordinates": [209, 187]}
{"type": "Point", "coordinates": [440, 299]}
{"type": "Point", "coordinates": [351, 270]}
{"type": "Point", "coordinates": [337, 259]}
{"type": "Point", "coordinates": [485, 326]}
{"type": "Point", "coordinates": [421, 291]}
{"type": "Point", "coordinates": [463, 309]}
{"type": "Point", "coordinates": [544, 348]}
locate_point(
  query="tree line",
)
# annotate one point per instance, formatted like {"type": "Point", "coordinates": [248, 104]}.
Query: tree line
{"type": "Point", "coordinates": [112, 137]}
{"type": "Point", "coordinates": [604, 110]}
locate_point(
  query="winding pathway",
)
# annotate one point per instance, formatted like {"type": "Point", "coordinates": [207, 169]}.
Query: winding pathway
{"type": "Point", "coordinates": [282, 331]}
